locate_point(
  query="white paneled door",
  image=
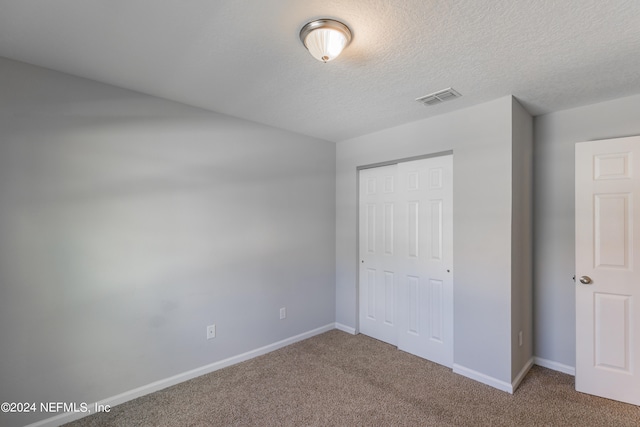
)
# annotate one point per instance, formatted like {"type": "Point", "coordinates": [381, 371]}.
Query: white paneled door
{"type": "Point", "coordinates": [607, 268]}
{"type": "Point", "coordinates": [406, 256]}
{"type": "Point", "coordinates": [378, 258]}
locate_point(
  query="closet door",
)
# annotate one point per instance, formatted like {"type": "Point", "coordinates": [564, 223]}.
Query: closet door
{"type": "Point", "coordinates": [406, 276]}
{"type": "Point", "coordinates": [378, 260]}
{"type": "Point", "coordinates": [425, 259]}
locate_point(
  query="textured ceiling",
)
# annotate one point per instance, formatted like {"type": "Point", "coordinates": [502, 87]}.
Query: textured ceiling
{"type": "Point", "coordinates": [244, 57]}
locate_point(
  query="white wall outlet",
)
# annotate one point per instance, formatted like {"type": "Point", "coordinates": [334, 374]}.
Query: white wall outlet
{"type": "Point", "coordinates": [520, 338]}
{"type": "Point", "coordinates": [283, 313]}
{"type": "Point", "coordinates": [211, 331]}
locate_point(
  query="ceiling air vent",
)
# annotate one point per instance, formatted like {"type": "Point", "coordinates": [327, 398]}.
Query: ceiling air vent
{"type": "Point", "coordinates": [438, 97]}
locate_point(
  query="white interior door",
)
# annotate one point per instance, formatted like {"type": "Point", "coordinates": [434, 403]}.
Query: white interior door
{"type": "Point", "coordinates": [378, 264]}
{"type": "Point", "coordinates": [406, 256]}
{"type": "Point", "coordinates": [607, 264]}
{"type": "Point", "coordinates": [425, 257]}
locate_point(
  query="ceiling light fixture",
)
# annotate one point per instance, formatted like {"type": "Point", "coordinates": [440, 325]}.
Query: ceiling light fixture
{"type": "Point", "coordinates": [325, 38]}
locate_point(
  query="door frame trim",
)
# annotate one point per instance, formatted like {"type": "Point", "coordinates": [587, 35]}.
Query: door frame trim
{"type": "Point", "coordinates": [402, 160]}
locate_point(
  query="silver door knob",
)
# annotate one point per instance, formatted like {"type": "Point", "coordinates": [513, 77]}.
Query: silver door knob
{"type": "Point", "coordinates": [586, 280]}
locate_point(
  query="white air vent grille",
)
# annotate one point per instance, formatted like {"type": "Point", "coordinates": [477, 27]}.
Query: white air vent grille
{"type": "Point", "coordinates": [438, 97]}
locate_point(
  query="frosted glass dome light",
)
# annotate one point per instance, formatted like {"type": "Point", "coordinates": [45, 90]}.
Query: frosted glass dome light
{"type": "Point", "coordinates": [325, 38]}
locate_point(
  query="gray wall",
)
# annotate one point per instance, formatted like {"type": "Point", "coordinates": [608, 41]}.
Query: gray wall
{"type": "Point", "coordinates": [555, 137]}
{"type": "Point", "coordinates": [128, 223]}
{"type": "Point", "coordinates": [521, 240]}
{"type": "Point", "coordinates": [481, 139]}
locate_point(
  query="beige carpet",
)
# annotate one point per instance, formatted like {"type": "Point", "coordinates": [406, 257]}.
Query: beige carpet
{"type": "Point", "coordinates": [336, 379]}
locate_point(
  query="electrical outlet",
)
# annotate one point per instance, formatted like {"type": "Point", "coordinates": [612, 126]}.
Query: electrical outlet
{"type": "Point", "coordinates": [283, 313]}
{"type": "Point", "coordinates": [520, 338]}
{"type": "Point", "coordinates": [211, 331]}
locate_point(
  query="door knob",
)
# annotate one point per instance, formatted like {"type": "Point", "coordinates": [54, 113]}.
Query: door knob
{"type": "Point", "coordinates": [586, 280]}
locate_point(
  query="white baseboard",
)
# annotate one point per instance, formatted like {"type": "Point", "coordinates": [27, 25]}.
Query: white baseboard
{"type": "Point", "coordinates": [523, 373]}
{"type": "Point", "coordinates": [176, 379]}
{"type": "Point", "coordinates": [555, 366]}
{"type": "Point", "coordinates": [494, 382]}
{"type": "Point", "coordinates": [482, 378]}
{"type": "Point", "coordinates": [345, 328]}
